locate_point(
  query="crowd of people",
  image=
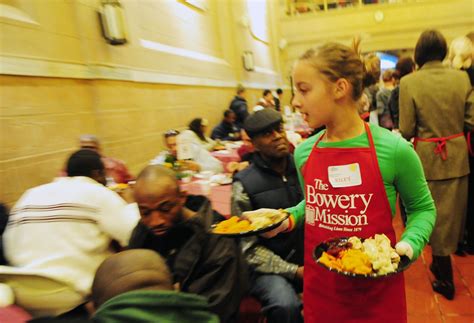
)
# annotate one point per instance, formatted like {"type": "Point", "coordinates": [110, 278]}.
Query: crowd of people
{"type": "Point", "coordinates": [75, 250]}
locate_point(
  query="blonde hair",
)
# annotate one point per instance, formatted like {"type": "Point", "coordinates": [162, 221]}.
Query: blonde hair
{"type": "Point", "coordinates": [387, 75]}
{"type": "Point", "coordinates": [336, 61]}
{"type": "Point", "coordinates": [460, 53]}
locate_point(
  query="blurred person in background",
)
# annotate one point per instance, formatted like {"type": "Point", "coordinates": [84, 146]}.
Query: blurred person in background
{"type": "Point", "coordinates": [405, 66]}
{"type": "Point", "coordinates": [200, 158]}
{"type": "Point", "coordinates": [239, 106]}
{"type": "Point", "coordinates": [435, 106]}
{"type": "Point", "coordinates": [363, 106]}
{"type": "Point", "coordinates": [278, 98]}
{"type": "Point", "coordinates": [63, 231]}
{"type": "Point", "coordinates": [382, 99]}
{"type": "Point", "coordinates": [196, 133]}
{"type": "Point", "coordinates": [267, 99]}
{"type": "Point", "coordinates": [169, 157]}
{"type": "Point", "coordinates": [227, 129]}
{"type": "Point", "coordinates": [461, 55]}
{"type": "Point", "coordinates": [371, 83]}
{"type": "Point", "coordinates": [3, 224]}
{"type": "Point", "coordinates": [247, 149]}
{"type": "Point", "coordinates": [116, 170]}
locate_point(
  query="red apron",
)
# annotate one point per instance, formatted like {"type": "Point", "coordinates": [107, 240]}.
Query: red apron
{"type": "Point", "coordinates": [469, 145]}
{"type": "Point", "coordinates": [365, 116]}
{"type": "Point", "coordinates": [440, 148]}
{"type": "Point", "coordinates": [362, 211]}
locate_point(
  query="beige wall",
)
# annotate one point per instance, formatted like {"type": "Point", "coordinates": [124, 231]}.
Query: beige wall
{"type": "Point", "coordinates": [399, 27]}
{"type": "Point", "coordinates": [60, 79]}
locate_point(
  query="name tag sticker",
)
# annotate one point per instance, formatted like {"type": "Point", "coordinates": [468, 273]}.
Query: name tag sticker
{"type": "Point", "coordinates": [344, 175]}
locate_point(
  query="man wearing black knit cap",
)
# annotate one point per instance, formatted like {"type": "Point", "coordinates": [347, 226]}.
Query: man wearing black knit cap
{"type": "Point", "coordinates": [62, 231]}
{"type": "Point", "coordinates": [271, 181]}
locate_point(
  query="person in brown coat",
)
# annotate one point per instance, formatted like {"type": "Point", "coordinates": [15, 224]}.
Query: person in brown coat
{"type": "Point", "coordinates": [435, 106]}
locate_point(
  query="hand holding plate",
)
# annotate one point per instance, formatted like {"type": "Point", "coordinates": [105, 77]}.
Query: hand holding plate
{"type": "Point", "coordinates": [404, 249]}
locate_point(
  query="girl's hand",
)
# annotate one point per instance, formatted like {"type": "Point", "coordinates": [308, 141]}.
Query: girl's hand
{"type": "Point", "coordinates": [404, 249]}
{"type": "Point", "coordinates": [300, 273]}
{"type": "Point", "coordinates": [279, 229]}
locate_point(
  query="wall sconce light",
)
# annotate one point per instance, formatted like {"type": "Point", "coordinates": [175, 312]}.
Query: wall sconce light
{"type": "Point", "coordinates": [282, 43]}
{"type": "Point", "coordinates": [112, 21]}
{"type": "Point", "coordinates": [247, 58]}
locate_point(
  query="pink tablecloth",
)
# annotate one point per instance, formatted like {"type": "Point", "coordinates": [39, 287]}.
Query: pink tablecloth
{"type": "Point", "coordinates": [13, 314]}
{"type": "Point", "coordinates": [219, 196]}
{"type": "Point", "coordinates": [226, 156]}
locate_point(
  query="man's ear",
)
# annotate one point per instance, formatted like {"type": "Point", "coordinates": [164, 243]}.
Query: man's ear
{"type": "Point", "coordinates": [341, 88]}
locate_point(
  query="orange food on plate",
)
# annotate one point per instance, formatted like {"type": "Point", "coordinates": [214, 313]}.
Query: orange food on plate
{"type": "Point", "coordinates": [330, 261]}
{"type": "Point", "coordinates": [354, 261]}
{"type": "Point", "coordinates": [233, 225]}
{"type": "Point", "coordinates": [118, 187]}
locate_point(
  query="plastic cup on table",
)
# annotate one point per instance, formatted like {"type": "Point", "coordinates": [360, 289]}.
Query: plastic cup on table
{"type": "Point", "coordinates": [205, 186]}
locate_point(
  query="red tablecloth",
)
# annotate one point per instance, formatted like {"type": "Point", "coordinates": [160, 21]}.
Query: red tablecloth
{"type": "Point", "coordinates": [13, 314]}
{"type": "Point", "coordinates": [219, 196]}
{"type": "Point", "coordinates": [226, 156]}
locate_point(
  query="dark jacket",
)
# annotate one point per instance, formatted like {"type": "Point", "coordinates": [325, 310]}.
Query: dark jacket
{"type": "Point", "coordinates": [225, 131]}
{"type": "Point", "coordinates": [277, 103]}
{"type": "Point", "coordinates": [268, 189]}
{"type": "Point", "coordinates": [202, 263]}
{"type": "Point", "coordinates": [393, 106]}
{"type": "Point", "coordinates": [239, 106]}
{"type": "Point", "coordinates": [155, 306]}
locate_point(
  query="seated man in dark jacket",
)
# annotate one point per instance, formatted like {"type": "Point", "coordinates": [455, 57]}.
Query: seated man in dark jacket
{"type": "Point", "coordinates": [201, 263]}
{"type": "Point", "coordinates": [271, 181]}
{"type": "Point", "coordinates": [226, 130]}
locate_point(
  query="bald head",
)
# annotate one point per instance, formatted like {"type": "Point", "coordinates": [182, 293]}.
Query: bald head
{"type": "Point", "coordinates": [159, 199]}
{"type": "Point", "coordinates": [127, 271]}
{"type": "Point", "coordinates": [155, 180]}
{"type": "Point", "coordinates": [156, 173]}
{"type": "Point", "coordinates": [89, 142]}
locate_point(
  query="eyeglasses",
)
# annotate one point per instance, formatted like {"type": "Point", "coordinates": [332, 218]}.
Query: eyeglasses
{"type": "Point", "coordinates": [171, 133]}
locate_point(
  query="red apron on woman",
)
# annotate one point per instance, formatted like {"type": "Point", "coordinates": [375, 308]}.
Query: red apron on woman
{"type": "Point", "coordinates": [345, 196]}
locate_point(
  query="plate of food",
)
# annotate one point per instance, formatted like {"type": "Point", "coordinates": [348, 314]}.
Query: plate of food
{"type": "Point", "coordinates": [361, 258]}
{"type": "Point", "coordinates": [118, 187]}
{"type": "Point", "coordinates": [221, 179]}
{"type": "Point", "coordinates": [204, 175]}
{"type": "Point", "coordinates": [250, 223]}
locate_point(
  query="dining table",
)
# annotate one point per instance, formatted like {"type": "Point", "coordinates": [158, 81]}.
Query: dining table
{"type": "Point", "coordinates": [228, 155]}
{"type": "Point", "coordinates": [219, 195]}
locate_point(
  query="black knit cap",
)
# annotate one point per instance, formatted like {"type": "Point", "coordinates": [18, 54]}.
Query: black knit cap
{"type": "Point", "coordinates": [261, 121]}
{"type": "Point", "coordinates": [83, 162]}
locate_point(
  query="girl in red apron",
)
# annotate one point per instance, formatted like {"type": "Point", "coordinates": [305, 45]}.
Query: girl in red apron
{"type": "Point", "coordinates": [345, 190]}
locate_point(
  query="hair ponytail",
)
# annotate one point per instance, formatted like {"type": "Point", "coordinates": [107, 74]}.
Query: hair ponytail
{"type": "Point", "coordinates": [337, 61]}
